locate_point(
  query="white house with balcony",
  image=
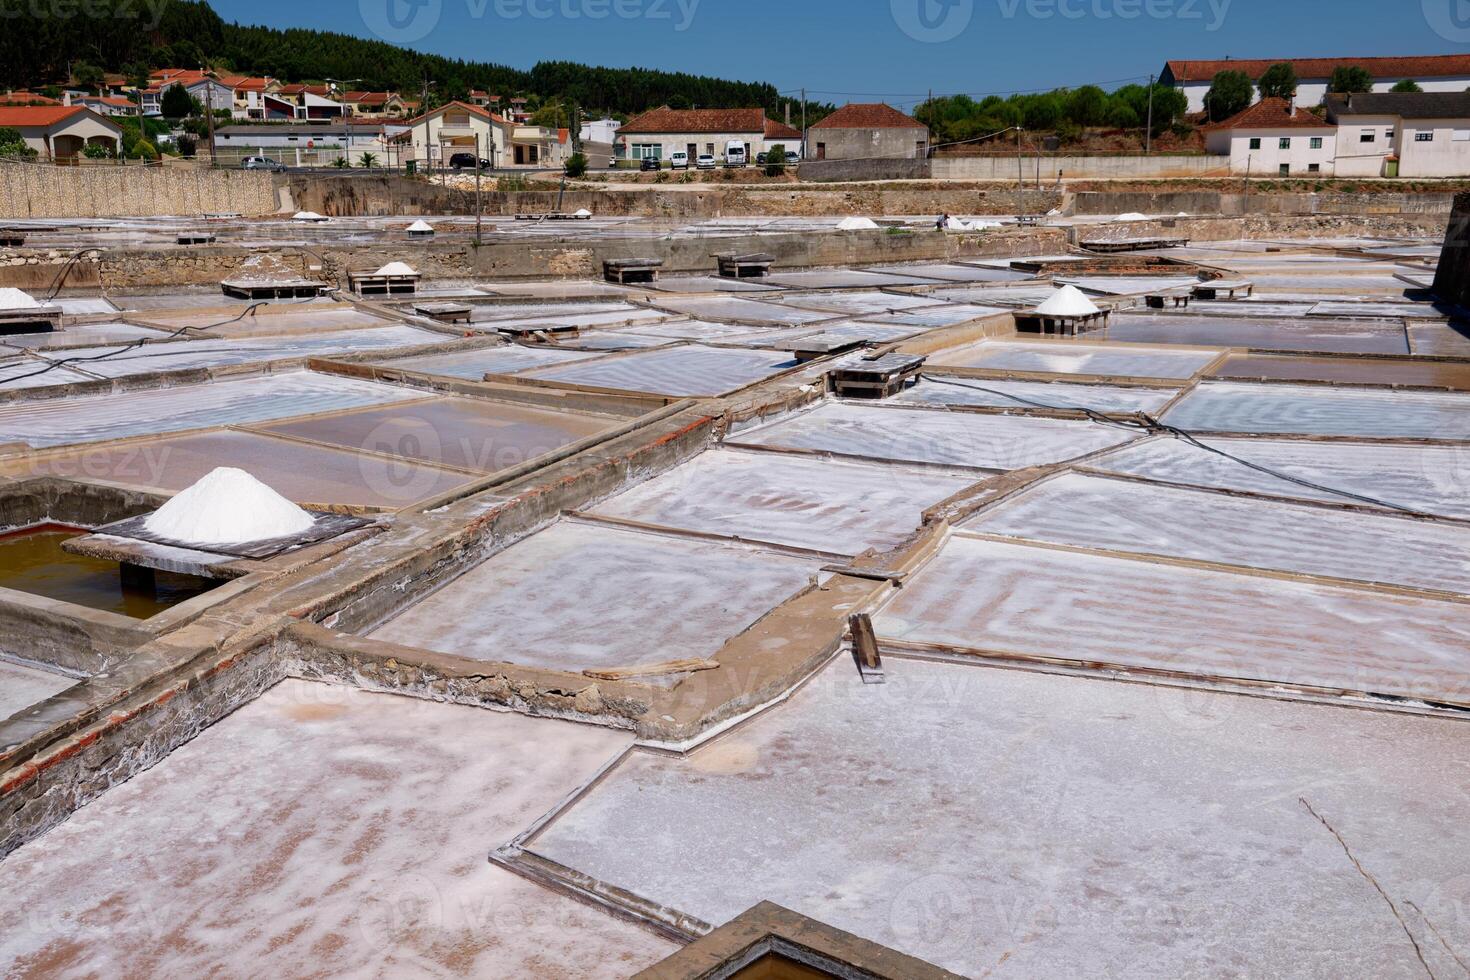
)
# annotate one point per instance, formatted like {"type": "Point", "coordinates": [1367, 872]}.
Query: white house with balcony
{"type": "Point", "coordinates": [1275, 138]}
{"type": "Point", "coordinates": [1402, 134]}
{"type": "Point", "coordinates": [435, 137]}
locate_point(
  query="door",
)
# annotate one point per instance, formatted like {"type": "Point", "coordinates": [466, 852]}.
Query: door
{"type": "Point", "coordinates": [691, 150]}
{"type": "Point", "coordinates": [821, 151]}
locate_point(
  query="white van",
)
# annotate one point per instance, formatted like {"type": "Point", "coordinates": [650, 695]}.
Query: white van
{"type": "Point", "coordinates": [679, 160]}
{"type": "Point", "coordinates": [735, 153]}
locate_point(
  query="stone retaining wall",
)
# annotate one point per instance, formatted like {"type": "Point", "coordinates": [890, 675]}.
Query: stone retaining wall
{"type": "Point", "coordinates": [46, 191]}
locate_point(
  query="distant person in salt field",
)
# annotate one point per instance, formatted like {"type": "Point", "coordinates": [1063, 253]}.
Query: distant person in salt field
{"type": "Point", "coordinates": [943, 220]}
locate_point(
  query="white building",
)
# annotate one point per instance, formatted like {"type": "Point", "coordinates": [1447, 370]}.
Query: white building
{"type": "Point", "coordinates": [600, 131]}
{"type": "Point", "coordinates": [1402, 134]}
{"type": "Point", "coordinates": [658, 133]}
{"type": "Point", "coordinates": [1433, 73]}
{"type": "Point", "coordinates": [1274, 137]}
{"type": "Point", "coordinates": [61, 132]}
{"type": "Point", "coordinates": [435, 137]}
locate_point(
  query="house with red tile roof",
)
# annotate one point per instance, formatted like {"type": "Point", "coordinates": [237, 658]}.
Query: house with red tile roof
{"type": "Point", "coordinates": [868, 130]}
{"type": "Point", "coordinates": [59, 132]}
{"type": "Point", "coordinates": [659, 133]}
{"type": "Point", "coordinates": [26, 98]}
{"type": "Point", "coordinates": [373, 105]}
{"type": "Point", "coordinates": [1275, 137]}
{"type": "Point", "coordinates": [1434, 73]}
{"type": "Point", "coordinates": [436, 137]}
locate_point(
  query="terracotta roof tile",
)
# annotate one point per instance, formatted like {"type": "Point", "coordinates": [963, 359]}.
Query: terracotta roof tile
{"type": "Point", "coordinates": [1417, 66]}
{"type": "Point", "coordinates": [37, 115]}
{"type": "Point", "coordinates": [865, 115]}
{"type": "Point", "coordinates": [1271, 114]}
{"type": "Point", "coordinates": [666, 120]}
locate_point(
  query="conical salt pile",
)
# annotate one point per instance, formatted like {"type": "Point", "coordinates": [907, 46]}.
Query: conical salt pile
{"type": "Point", "coordinates": [228, 506]}
{"type": "Point", "coordinates": [1067, 301]}
{"type": "Point", "coordinates": [307, 216]}
{"type": "Point", "coordinates": [396, 269]}
{"type": "Point", "coordinates": [856, 224]}
{"type": "Point", "coordinates": [421, 227]}
{"type": "Point", "coordinates": [583, 213]}
{"type": "Point", "coordinates": [1132, 216]}
{"type": "Point", "coordinates": [15, 299]}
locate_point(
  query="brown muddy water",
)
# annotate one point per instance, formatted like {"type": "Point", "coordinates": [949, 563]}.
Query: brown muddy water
{"type": "Point", "coordinates": [31, 560]}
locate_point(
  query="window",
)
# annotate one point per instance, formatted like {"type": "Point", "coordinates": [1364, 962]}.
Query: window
{"type": "Point", "coordinates": [1285, 170]}
{"type": "Point", "coordinates": [1424, 137]}
{"type": "Point", "coordinates": [643, 151]}
{"type": "Point", "coordinates": [1285, 143]}
{"type": "Point", "coordinates": [1255, 142]}
{"type": "Point", "coordinates": [1316, 142]}
{"type": "Point", "coordinates": [1461, 136]}
{"type": "Point", "coordinates": [1314, 168]}
{"type": "Point", "coordinates": [1367, 136]}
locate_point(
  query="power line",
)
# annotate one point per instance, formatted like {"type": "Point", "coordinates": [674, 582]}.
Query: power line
{"type": "Point", "coordinates": [249, 311]}
{"type": "Point", "coordinates": [1146, 423]}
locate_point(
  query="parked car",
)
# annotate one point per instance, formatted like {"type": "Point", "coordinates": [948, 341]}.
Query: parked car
{"type": "Point", "coordinates": [793, 157]}
{"type": "Point", "coordinates": [263, 163]}
{"type": "Point", "coordinates": [760, 158]}
{"type": "Point", "coordinates": [650, 163]}
{"type": "Point", "coordinates": [466, 161]}
{"type": "Point", "coordinates": [679, 160]}
{"type": "Point", "coordinates": [706, 161]}
{"type": "Point", "coordinates": [735, 155]}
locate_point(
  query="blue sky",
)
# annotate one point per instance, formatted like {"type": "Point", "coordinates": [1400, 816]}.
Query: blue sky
{"type": "Point", "coordinates": [888, 50]}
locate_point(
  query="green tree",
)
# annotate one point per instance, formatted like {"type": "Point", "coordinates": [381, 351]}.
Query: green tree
{"type": "Point", "coordinates": [368, 161]}
{"type": "Point", "coordinates": [96, 151]}
{"type": "Point", "coordinates": [177, 103]}
{"type": "Point", "coordinates": [187, 144]}
{"type": "Point", "coordinates": [1350, 78]}
{"type": "Point", "coordinates": [1230, 92]}
{"type": "Point", "coordinates": [89, 77]}
{"type": "Point", "coordinates": [1087, 106]}
{"type": "Point", "coordinates": [1278, 81]}
{"type": "Point", "coordinates": [12, 144]}
{"type": "Point", "coordinates": [776, 160]}
{"type": "Point", "coordinates": [1406, 85]}
{"type": "Point", "coordinates": [576, 165]}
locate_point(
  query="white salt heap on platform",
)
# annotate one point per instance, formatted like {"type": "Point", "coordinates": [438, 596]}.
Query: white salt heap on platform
{"type": "Point", "coordinates": [15, 299]}
{"type": "Point", "coordinates": [583, 213]}
{"type": "Point", "coordinates": [396, 269]}
{"type": "Point", "coordinates": [1067, 301]}
{"type": "Point", "coordinates": [307, 216]}
{"type": "Point", "coordinates": [1132, 216]}
{"type": "Point", "coordinates": [421, 226]}
{"type": "Point", "coordinates": [856, 224]}
{"type": "Point", "coordinates": [228, 506]}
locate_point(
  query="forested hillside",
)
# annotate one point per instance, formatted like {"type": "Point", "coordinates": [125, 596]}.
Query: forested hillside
{"type": "Point", "coordinates": [38, 47]}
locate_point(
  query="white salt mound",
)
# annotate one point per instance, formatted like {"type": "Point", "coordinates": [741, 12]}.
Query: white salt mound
{"type": "Point", "coordinates": [583, 213]}
{"type": "Point", "coordinates": [228, 506]}
{"type": "Point", "coordinates": [1132, 216]}
{"type": "Point", "coordinates": [856, 224]}
{"type": "Point", "coordinates": [15, 299]}
{"type": "Point", "coordinates": [306, 216]}
{"type": "Point", "coordinates": [420, 226]}
{"type": "Point", "coordinates": [1054, 213]}
{"type": "Point", "coordinates": [396, 269]}
{"type": "Point", "coordinates": [1067, 301]}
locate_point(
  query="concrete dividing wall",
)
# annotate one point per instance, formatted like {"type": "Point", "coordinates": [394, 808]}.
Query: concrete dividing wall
{"type": "Point", "coordinates": [1219, 202]}
{"type": "Point", "coordinates": [1452, 277]}
{"type": "Point", "coordinates": [45, 191]}
{"type": "Point", "coordinates": [1004, 167]}
{"type": "Point", "coordinates": [874, 169]}
{"type": "Point", "coordinates": [392, 195]}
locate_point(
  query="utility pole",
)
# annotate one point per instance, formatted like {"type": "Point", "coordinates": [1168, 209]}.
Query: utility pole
{"type": "Point", "coordinates": [803, 125]}
{"type": "Point", "coordinates": [479, 210]}
{"type": "Point", "coordinates": [1148, 134]}
{"type": "Point", "coordinates": [1020, 173]}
